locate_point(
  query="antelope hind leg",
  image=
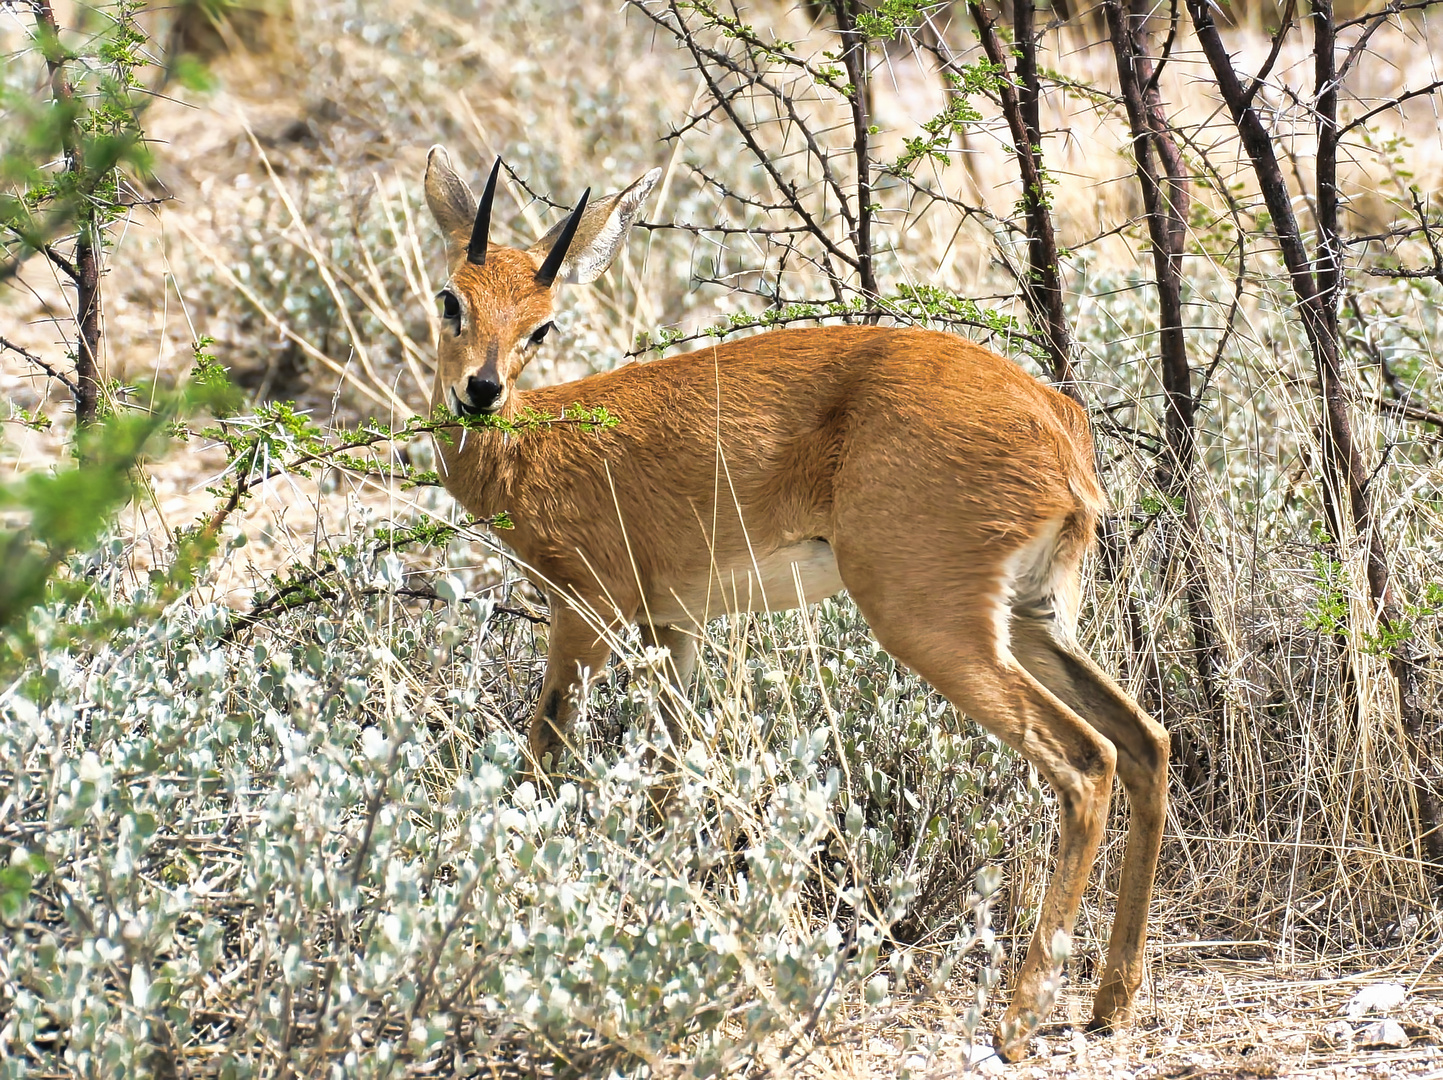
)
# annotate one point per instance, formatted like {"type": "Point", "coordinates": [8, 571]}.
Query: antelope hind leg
{"type": "Point", "coordinates": [677, 673]}
{"type": "Point", "coordinates": [959, 652]}
{"type": "Point", "coordinates": [1142, 751]}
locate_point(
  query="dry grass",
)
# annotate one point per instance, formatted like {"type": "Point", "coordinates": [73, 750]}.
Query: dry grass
{"type": "Point", "coordinates": [297, 239]}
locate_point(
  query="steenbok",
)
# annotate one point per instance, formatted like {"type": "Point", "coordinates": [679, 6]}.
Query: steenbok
{"type": "Point", "coordinates": [949, 492]}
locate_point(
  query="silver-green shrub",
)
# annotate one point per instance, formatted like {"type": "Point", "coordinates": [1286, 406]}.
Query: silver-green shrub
{"type": "Point", "coordinates": [310, 841]}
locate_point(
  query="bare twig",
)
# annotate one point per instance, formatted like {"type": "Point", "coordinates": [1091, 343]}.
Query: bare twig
{"type": "Point", "coordinates": [49, 369]}
{"type": "Point", "coordinates": [1043, 291]}
{"type": "Point", "coordinates": [1392, 103]}
{"type": "Point", "coordinates": [66, 267]}
{"type": "Point", "coordinates": [1277, 47]}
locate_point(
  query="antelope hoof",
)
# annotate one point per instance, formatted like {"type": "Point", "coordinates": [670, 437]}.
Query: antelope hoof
{"type": "Point", "coordinates": [1012, 1052]}
{"type": "Point", "coordinates": [1011, 1041]}
{"type": "Point", "coordinates": [545, 748]}
{"type": "Point", "coordinates": [1111, 1008]}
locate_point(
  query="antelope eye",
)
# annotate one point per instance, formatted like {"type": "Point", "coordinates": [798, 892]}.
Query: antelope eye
{"type": "Point", "coordinates": [539, 334]}
{"type": "Point", "coordinates": [451, 309]}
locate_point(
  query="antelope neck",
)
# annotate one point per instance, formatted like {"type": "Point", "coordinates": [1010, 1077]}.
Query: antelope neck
{"type": "Point", "coordinates": [479, 467]}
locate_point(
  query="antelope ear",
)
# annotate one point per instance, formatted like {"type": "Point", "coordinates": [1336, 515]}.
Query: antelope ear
{"type": "Point", "coordinates": [451, 202]}
{"type": "Point", "coordinates": [599, 234]}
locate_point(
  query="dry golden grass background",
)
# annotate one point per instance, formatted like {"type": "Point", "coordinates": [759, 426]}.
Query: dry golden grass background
{"type": "Point", "coordinates": [296, 237]}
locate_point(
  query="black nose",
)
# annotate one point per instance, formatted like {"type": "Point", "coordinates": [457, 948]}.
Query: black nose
{"type": "Point", "coordinates": [482, 391]}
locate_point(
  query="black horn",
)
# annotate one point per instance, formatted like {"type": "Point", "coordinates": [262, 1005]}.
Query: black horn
{"type": "Point", "coordinates": [476, 249]}
{"type": "Point", "coordinates": [554, 258]}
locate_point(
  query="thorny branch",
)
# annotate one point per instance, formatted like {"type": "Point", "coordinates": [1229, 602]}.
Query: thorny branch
{"type": "Point", "coordinates": [1403, 403]}
{"type": "Point", "coordinates": [1392, 103]}
{"type": "Point", "coordinates": [1261, 77]}
{"type": "Point", "coordinates": [1174, 21]}
{"type": "Point", "coordinates": [1371, 21]}
{"type": "Point", "coordinates": [701, 57]}
{"type": "Point", "coordinates": [49, 369]}
{"type": "Point", "coordinates": [1043, 291]}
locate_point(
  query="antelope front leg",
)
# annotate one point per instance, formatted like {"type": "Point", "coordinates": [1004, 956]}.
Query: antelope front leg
{"type": "Point", "coordinates": [679, 669]}
{"type": "Point", "coordinates": [576, 654]}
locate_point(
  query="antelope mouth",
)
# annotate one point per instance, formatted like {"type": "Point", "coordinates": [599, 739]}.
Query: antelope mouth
{"type": "Point", "coordinates": [466, 409]}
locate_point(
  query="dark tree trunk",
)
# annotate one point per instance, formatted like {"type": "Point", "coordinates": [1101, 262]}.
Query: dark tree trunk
{"type": "Point", "coordinates": [1166, 198]}
{"type": "Point", "coordinates": [1344, 476]}
{"type": "Point", "coordinates": [1021, 104]}
{"type": "Point", "coordinates": [84, 271]}
{"type": "Point", "coordinates": [87, 315]}
{"type": "Point", "coordinates": [854, 58]}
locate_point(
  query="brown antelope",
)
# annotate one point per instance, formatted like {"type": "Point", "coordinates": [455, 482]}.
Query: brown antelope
{"type": "Point", "coordinates": [948, 491]}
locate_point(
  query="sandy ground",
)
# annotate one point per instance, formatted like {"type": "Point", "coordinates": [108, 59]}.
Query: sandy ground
{"type": "Point", "coordinates": [1207, 1019]}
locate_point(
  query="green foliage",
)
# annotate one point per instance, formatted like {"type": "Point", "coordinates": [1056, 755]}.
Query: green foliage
{"type": "Point", "coordinates": [208, 374]}
{"type": "Point", "coordinates": [892, 17]}
{"type": "Point", "coordinates": [66, 509]}
{"type": "Point", "coordinates": [1394, 632]}
{"type": "Point", "coordinates": [582, 417]}
{"type": "Point", "coordinates": [16, 881]}
{"type": "Point", "coordinates": [278, 438]}
{"type": "Point", "coordinates": [938, 133]}
{"type": "Point", "coordinates": [63, 511]}
{"type": "Point", "coordinates": [1329, 613]}
{"type": "Point", "coordinates": [1040, 195]}
{"type": "Point", "coordinates": [88, 121]}
{"type": "Point", "coordinates": [1153, 503]}
{"type": "Point", "coordinates": [33, 419]}
{"type": "Point", "coordinates": [332, 751]}
{"type": "Point", "coordinates": [771, 318]}
{"type": "Point", "coordinates": [930, 304]}
{"type": "Point", "coordinates": [920, 304]}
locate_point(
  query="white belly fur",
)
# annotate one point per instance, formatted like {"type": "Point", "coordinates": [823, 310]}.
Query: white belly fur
{"type": "Point", "coordinates": [787, 578]}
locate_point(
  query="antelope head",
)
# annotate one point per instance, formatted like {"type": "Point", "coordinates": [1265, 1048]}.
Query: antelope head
{"type": "Point", "coordinates": [496, 306]}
